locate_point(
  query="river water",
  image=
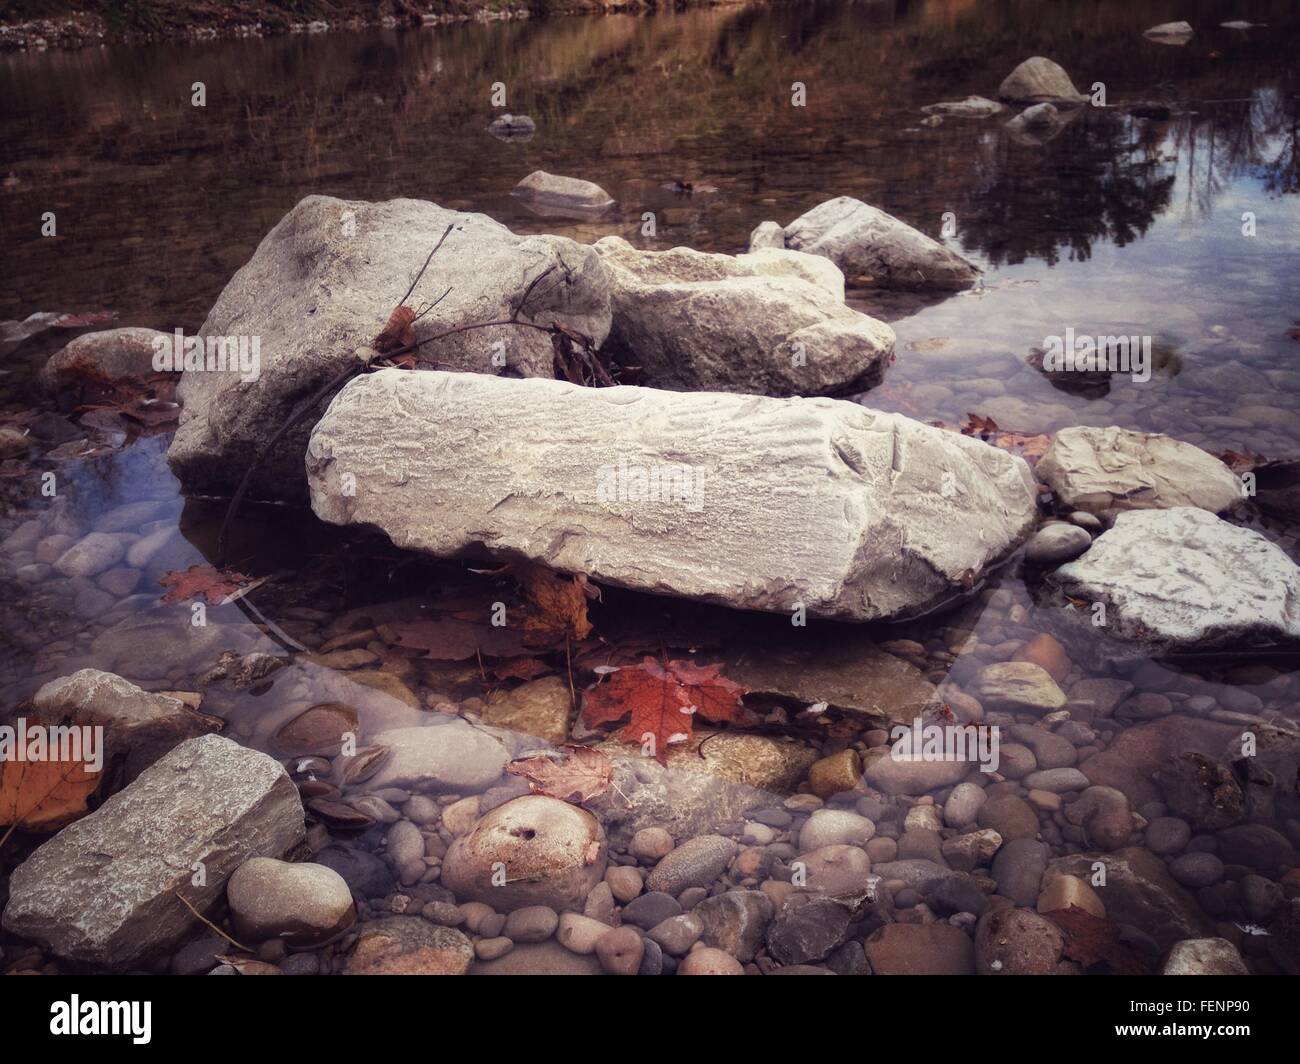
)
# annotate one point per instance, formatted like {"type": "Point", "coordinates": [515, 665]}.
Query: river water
{"type": "Point", "coordinates": [1185, 230]}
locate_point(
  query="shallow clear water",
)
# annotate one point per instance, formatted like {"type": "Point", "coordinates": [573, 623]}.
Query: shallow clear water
{"type": "Point", "coordinates": [1118, 225]}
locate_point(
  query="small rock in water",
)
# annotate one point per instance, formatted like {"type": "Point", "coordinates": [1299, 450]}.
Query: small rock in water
{"type": "Point", "coordinates": [553, 854]}
{"type": "Point", "coordinates": [1040, 80]}
{"type": "Point", "coordinates": [407, 945]}
{"type": "Point", "coordinates": [513, 127]}
{"type": "Point", "coordinates": [551, 192]}
{"type": "Point", "coordinates": [1204, 956]}
{"type": "Point", "coordinates": [695, 863]}
{"type": "Point", "coordinates": [1057, 543]}
{"type": "Point", "coordinates": [299, 904]}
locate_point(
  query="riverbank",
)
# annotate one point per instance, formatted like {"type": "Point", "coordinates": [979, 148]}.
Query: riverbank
{"type": "Point", "coordinates": [44, 24]}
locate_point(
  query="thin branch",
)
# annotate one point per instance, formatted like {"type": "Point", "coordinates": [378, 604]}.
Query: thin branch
{"type": "Point", "coordinates": [450, 227]}
{"type": "Point", "coordinates": [233, 942]}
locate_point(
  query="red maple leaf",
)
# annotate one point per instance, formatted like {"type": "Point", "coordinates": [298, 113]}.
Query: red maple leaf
{"type": "Point", "coordinates": [662, 701]}
{"type": "Point", "coordinates": [215, 586]}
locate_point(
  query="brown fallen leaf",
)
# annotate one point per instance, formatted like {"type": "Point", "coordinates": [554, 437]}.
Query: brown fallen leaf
{"type": "Point", "coordinates": [978, 425]}
{"type": "Point", "coordinates": [44, 795]}
{"type": "Point", "coordinates": [584, 774]}
{"type": "Point", "coordinates": [399, 332]}
{"type": "Point", "coordinates": [558, 603]}
{"type": "Point", "coordinates": [215, 586]}
{"type": "Point", "coordinates": [1094, 942]}
{"type": "Point", "coordinates": [1030, 447]}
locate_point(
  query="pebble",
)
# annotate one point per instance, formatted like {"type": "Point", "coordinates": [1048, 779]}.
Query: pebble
{"type": "Point", "coordinates": [678, 934]}
{"type": "Point", "coordinates": [1057, 780]}
{"type": "Point", "coordinates": [651, 844]}
{"type": "Point", "coordinates": [621, 951]}
{"type": "Point", "coordinates": [651, 909]}
{"type": "Point", "coordinates": [833, 827]}
{"type": "Point", "coordinates": [489, 949]}
{"type": "Point", "coordinates": [695, 863]}
{"type": "Point", "coordinates": [1168, 835]}
{"type": "Point", "coordinates": [1011, 817]}
{"type": "Point", "coordinates": [1018, 870]}
{"type": "Point", "coordinates": [625, 882]}
{"type": "Point", "coordinates": [1016, 942]}
{"type": "Point", "coordinates": [297, 904]}
{"type": "Point", "coordinates": [579, 933]}
{"type": "Point", "coordinates": [1196, 869]}
{"type": "Point", "coordinates": [532, 923]}
{"type": "Point", "coordinates": [1057, 543]}
{"type": "Point", "coordinates": [962, 806]}
{"type": "Point", "coordinates": [709, 961]}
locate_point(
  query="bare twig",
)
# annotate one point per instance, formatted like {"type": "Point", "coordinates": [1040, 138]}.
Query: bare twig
{"type": "Point", "coordinates": [445, 233]}
{"type": "Point", "coordinates": [210, 924]}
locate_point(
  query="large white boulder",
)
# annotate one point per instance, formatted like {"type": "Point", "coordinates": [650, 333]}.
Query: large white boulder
{"type": "Point", "coordinates": [746, 501]}
{"type": "Point", "coordinates": [872, 247]}
{"type": "Point", "coordinates": [772, 321]}
{"type": "Point", "coordinates": [1182, 579]}
{"type": "Point", "coordinates": [323, 282]}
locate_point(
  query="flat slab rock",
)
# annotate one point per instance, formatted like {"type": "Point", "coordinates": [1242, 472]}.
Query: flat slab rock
{"type": "Point", "coordinates": [1095, 469]}
{"type": "Point", "coordinates": [322, 284]}
{"type": "Point", "coordinates": [871, 247]}
{"type": "Point", "coordinates": [1182, 579]}
{"type": "Point", "coordinates": [744, 501]}
{"type": "Point", "coordinates": [102, 892]}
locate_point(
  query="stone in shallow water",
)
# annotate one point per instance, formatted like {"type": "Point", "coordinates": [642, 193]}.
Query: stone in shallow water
{"type": "Point", "coordinates": [1204, 956]}
{"type": "Point", "coordinates": [552, 853]}
{"type": "Point", "coordinates": [1139, 891]}
{"type": "Point", "coordinates": [1020, 686]}
{"type": "Point", "coordinates": [971, 107]}
{"type": "Point", "coordinates": [139, 727]}
{"type": "Point", "coordinates": [408, 945]}
{"type": "Point", "coordinates": [1016, 942]}
{"type": "Point", "coordinates": [299, 904]}
{"type": "Point", "coordinates": [695, 863]}
{"type": "Point", "coordinates": [102, 892]}
{"type": "Point", "coordinates": [1095, 469]}
{"type": "Point", "coordinates": [873, 247]}
{"type": "Point", "coordinates": [893, 516]}
{"type": "Point", "coordinates": [322, 284]}
{"type": "Point", "coordinates": [448, 756]}
{"type": "Point", "coordinates": [1182, 580]}
{"type": "Point", "coordinates": [921, 949]}
{"type": "Point", "coordinates": [771, 322]}
{"type": "Point", "coordinates": [845, 669]}
{"type": "Point", "coordinates": [1040, 80]}
{"type": "Point", "coordinates": [556, 191]}
{"type": "Point", "coordinates": [714, 779]}
{"type": "Point", "coordinates": [113, 354]}
{"type": "Point", "coordinates": [1057, 543]}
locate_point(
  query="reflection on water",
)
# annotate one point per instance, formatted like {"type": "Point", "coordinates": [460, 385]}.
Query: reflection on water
{"type": "Point", "coordinates": [1116, 225]}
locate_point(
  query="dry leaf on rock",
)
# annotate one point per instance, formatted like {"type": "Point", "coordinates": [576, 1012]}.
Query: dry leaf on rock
{"type": "Point", "coordinates": [214, 586]}
{"type": "Point", "coordinates": [584, 774]}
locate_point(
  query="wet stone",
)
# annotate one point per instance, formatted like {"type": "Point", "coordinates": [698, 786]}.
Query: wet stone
{"type": "Point", "coordinates": [695, 863]}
